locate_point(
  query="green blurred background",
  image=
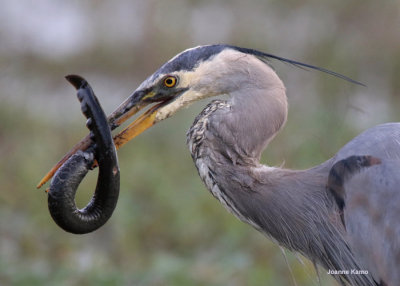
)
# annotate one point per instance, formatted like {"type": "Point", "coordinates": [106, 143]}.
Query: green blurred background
{"type": "Point", "coordinates": [167, 229]}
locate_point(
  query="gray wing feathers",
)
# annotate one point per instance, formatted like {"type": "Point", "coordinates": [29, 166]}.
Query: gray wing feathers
{"type": "Point", "coordinates": [372, 216]}
{"type": "Point", "coordinates": [371, 198]}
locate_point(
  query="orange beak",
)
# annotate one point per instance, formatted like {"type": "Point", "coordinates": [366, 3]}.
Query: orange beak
{"type": "Point", "coordinates": [126, 110]}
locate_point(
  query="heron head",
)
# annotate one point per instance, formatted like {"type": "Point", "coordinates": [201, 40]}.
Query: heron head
{"type": "Point", "coordinates": [192, 75]}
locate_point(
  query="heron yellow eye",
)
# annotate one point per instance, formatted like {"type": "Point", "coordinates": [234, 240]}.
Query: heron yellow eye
{"type": "Point", "coordinates": [170, 81]}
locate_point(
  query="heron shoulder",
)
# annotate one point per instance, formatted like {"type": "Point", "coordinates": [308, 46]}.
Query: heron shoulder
{"type": "Point", "coordinates": [381, 141]}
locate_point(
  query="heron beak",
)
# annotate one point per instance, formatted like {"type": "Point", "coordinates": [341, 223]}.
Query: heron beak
{"type": "Point", "coordinates": [142, 123]}
{"type": "Point", "coordinates": [127, 109]}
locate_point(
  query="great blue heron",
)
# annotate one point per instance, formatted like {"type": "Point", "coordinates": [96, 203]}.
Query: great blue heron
{"type": "Point", "coordinates": [342, 214]}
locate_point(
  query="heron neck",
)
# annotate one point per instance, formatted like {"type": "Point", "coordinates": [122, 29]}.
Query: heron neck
{"type": "Point", "coordinates": [256, 116]}
{"type": "Point", "coordinates": [283, 204]}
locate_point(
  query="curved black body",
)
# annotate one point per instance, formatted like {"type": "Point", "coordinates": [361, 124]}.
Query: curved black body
{"type": "Point", "coordinates": [61, 199]}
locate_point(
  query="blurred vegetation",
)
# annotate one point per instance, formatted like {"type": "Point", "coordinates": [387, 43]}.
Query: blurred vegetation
{"type": "Point", "coordinates": [167, 229]}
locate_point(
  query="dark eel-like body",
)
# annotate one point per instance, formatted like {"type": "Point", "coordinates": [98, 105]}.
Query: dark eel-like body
{"type": "Point", "coordinates": [61, 196]}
